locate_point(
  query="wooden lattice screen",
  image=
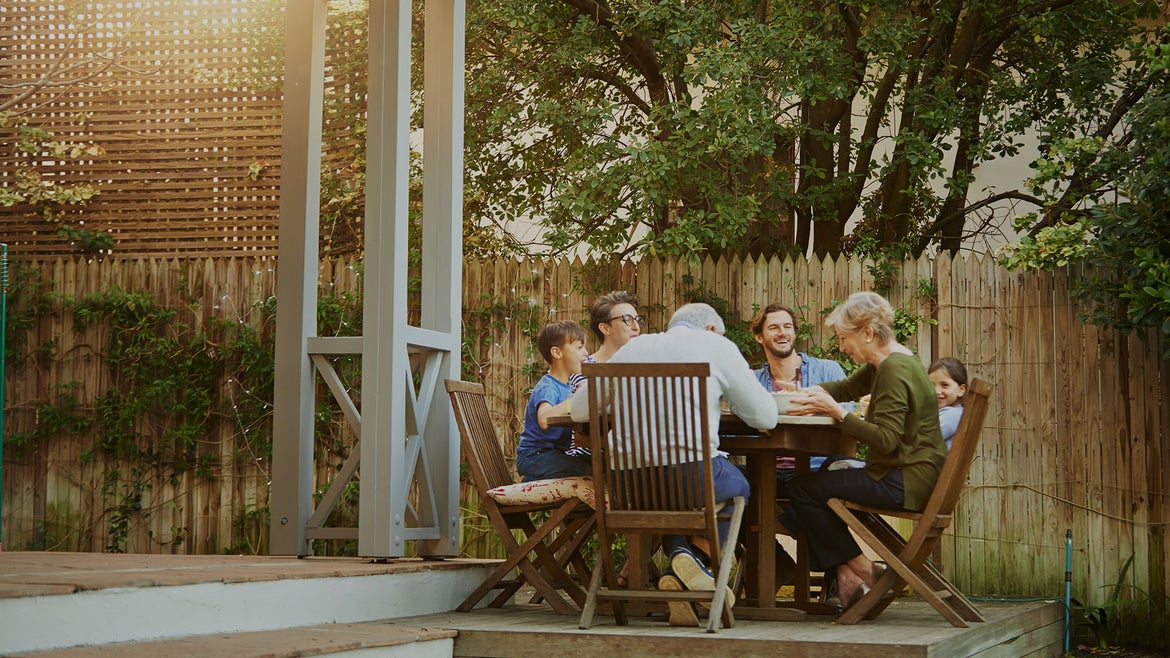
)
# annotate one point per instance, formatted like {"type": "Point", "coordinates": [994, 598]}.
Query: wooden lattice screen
{"type": "Point", "coordinates": [189, 161]}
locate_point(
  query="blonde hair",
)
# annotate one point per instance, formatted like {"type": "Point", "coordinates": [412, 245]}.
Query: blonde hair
{"type": "Point", "coordinates": [864, 309]}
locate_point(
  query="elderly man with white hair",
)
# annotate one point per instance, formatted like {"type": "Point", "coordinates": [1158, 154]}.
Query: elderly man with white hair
{"type": "Point", "coordinates": [695, 335]}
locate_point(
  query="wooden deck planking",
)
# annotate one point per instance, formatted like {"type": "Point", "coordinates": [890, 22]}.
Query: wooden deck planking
{"type": "Point", "coordinates": [42, 573]}
{"type": "Point", "coordinates": [317, 640]}
{"type": "Point", "coordinates": [907, 628]}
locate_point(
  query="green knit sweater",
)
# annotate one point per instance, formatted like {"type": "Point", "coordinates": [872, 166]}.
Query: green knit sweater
{"type": "Point", "coordinates": [900, 426]}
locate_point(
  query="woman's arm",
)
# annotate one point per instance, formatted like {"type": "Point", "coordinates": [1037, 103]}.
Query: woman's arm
{"type": "Point", "coordinates": [852, 387]}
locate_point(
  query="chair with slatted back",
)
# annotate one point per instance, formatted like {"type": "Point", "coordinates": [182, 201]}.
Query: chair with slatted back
{"type": "Point", "coordinates": [547, 548]}
{"type": "Point", "coordinates": [652, 464]}
{"type": "Point", "coordinates": [908, 557]}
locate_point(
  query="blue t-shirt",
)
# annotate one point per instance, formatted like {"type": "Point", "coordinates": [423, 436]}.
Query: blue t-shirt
{"type": "Point", "coordinates": [553, 391]}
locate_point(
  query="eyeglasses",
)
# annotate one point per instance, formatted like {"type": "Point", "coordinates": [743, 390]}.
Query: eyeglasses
{"type": "Point", "coordinates": [630, 320]}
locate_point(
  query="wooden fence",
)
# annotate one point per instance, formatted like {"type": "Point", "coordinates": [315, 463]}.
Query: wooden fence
{"type": "Point", "coordinates": [1077, 437]}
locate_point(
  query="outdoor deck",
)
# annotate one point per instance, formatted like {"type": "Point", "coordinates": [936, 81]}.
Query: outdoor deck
{"type": "Point", "coordinates": [907, 628]}
{"type": "Point", "coordinates": [274, 606]}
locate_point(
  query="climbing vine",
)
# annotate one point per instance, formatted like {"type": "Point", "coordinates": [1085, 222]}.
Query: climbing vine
{"type": "Point", "coordinates": [170, 384]}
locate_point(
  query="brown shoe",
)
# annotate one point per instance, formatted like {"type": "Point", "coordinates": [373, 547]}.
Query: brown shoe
{"type": "Point", "coordinates": [682, 613]}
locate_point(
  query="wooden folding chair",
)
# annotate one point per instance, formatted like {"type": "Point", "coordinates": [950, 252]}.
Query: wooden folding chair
{"type": "Point", "coordinates": [908, 557]}
{"type": "Point", "coordinates": [652, 464]}
{"type": "Point", "coordinates": [552, 545]}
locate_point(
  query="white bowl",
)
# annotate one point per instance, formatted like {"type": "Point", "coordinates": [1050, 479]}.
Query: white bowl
{"type": "Point", "coordinates": [784, 399]}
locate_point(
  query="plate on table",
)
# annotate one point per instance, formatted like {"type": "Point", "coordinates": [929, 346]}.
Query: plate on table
{"type": "Point", "coordinates": [786, 419]}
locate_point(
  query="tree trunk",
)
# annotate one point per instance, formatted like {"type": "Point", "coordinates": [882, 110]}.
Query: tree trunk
{"type": "Point", "coordinates": [818, 160]}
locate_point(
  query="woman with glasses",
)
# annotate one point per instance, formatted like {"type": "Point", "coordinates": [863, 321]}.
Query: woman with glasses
{"type": "Point", "coordinates": [614, 319]}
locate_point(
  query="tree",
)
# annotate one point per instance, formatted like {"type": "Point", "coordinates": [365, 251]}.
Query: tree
{"type": "Point", "coordinates": [768, 124]}
{"type": "Point", "coordinates": [1122, 230]}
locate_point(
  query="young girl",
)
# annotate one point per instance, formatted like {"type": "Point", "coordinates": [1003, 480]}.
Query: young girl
{"type": "Point", "coordinates": [950, 384]}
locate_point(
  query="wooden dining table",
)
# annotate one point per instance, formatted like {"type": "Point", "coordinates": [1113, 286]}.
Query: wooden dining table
{"type": "Point", "coordinates": [799, 437]}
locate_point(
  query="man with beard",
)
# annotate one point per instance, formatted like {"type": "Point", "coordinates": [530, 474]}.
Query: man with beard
{"type": "Point", "coordinates": [786, 370]}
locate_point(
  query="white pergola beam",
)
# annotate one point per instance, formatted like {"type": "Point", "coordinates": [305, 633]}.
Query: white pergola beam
{"type": "Point", "coordinates": [408, 451]}
{"type": "Point", "coordinates": [291, 501]}
{"type": "Point", "coordinates": [385, 297]}
{"type": "Point", "coordinates": [442, 247]}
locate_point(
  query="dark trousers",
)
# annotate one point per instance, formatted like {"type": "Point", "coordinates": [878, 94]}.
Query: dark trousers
{"type": "Point", "coordinates": [550, 464]}
{"type": "Point", "coordinates": [830, 542]}
{"type": "Point", "coordinates": [729, 482]}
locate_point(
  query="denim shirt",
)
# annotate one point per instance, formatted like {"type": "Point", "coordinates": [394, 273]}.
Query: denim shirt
{"type": "Point", "coordinates": [813, 371]}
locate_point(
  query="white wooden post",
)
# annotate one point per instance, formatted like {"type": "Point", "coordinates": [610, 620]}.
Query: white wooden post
{"type": "Point", "coordinates": [408, 455]}
{"type": "Point", "coordinates": [291, 502]}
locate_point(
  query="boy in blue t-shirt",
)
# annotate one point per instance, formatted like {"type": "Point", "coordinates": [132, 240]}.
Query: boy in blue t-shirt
{"type": "Point", "coordinates": [542, 451]}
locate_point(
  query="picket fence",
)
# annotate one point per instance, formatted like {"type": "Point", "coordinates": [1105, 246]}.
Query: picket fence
{"type": "Point", "coordinates": [1077, 437]}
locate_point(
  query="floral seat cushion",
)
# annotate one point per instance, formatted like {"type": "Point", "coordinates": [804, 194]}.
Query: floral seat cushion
{"type": "Point", "coordinates": [546, 491]}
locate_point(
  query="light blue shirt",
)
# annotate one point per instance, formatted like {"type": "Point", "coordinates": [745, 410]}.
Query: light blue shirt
{"type": "Point", "coordinates": [813, 371]}
{"type": "Point", "coordinates": [948, 419]}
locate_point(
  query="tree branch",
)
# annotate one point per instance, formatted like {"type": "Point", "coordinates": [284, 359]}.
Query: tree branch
{"type": "Point", "coordinates": [57, 77]}
{"type": "Point", "coordinates": [637, 50]}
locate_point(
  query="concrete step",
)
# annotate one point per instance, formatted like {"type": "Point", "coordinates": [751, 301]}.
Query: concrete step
{"type": "Point", "coordinates": [366, 640]}
{"type": "Point", "coordinates": [54, 602]}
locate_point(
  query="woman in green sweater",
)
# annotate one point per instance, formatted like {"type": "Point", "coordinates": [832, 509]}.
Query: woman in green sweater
{"type": "Point", "coordinates": [905, 449]}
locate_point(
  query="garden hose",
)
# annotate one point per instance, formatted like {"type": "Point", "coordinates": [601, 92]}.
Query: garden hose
{"type": "Point", "coordinates": [3, 332]}
{"type": "Point", "coordinates": [1067, 587]}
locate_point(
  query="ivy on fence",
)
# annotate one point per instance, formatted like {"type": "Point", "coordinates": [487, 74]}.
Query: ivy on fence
{"type": "Point", "coordinates": [170, 379]}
